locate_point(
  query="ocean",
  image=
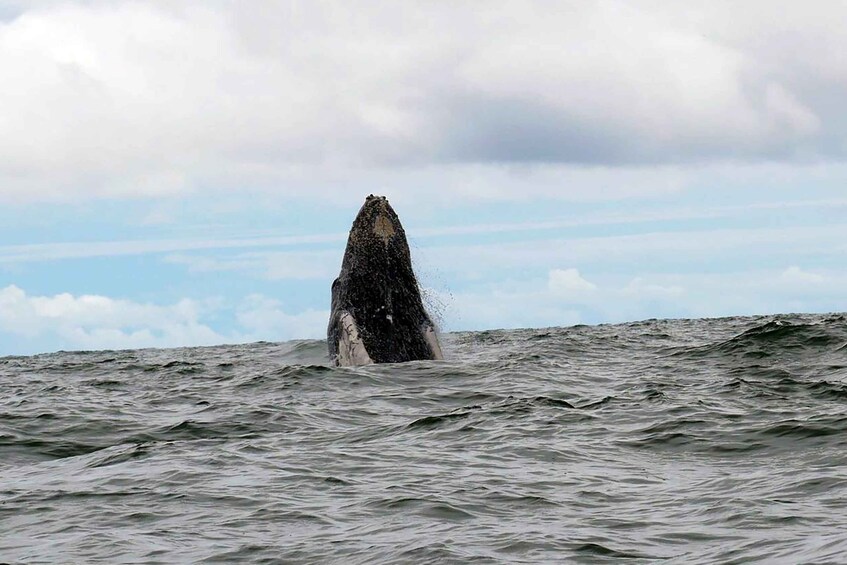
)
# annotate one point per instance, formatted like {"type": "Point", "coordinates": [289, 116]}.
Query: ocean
{"type": "Point", "coordinates": [663, 441]}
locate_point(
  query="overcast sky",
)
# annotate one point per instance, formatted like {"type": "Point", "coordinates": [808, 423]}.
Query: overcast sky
{"type": "Point", "coordinates": [181, 173]}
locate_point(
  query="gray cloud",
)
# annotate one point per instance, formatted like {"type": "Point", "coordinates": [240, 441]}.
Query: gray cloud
{"type": "Point", "coordinates": [128, 99]}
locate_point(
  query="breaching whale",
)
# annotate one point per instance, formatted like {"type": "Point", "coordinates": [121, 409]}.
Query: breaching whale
{"type": "Point", "coordinates": [377, 313]}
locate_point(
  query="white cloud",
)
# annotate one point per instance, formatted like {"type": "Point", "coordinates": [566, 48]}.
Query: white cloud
{"type": "Point", "coordinates": [521, 305]}
{"type": "Point", "coordinates": [99, 322]}
{"type": "Point", "coordinates": [65, 321]}
{"type": "Point", "coordinates": [319, 263]}
{"type": "Point", "coordinates": [639, 287]}
{"type": "Point", "coordinates": [531, 303]}
{"type": "Point", "coordinates": [795, 275]}
{"type": "Point", "coordinates": [262, 316]}
{"type": "Point", "coordinates": [154, 98]}
{"type": "Point", "coordinates": [76, 250]}
{"type": "Point", "coordinates": [683, 250]}
{"type": "Point", "coordinates": [282, 265]}
{"type": "Point", "coordinates": [568, 282]}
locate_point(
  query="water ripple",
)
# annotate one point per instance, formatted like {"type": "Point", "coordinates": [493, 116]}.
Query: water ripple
{"type": "Point", "coordinates": [673, 441]}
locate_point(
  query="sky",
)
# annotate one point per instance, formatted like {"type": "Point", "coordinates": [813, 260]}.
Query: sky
{"type": "Point", "coordinates": [185, 173]}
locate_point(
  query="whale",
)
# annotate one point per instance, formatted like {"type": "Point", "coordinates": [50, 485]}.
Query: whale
{"type": "Point", "coordinates": [377, 314]}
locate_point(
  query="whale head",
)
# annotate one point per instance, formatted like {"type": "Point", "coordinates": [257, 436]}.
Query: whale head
{"type": "Point", "coordinates": [377, 313]}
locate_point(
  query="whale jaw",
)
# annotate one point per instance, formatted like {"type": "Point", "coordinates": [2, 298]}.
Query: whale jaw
{"type": "Point", "coordinates": [377, 313]}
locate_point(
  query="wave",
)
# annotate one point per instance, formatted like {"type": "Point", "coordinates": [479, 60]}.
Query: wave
{"type": "Point", "coordinates": [773, 338]}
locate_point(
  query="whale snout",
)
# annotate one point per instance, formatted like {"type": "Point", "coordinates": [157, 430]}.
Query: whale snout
{"type": "Point", "coordinates": [376, 219]}
{"type": "Point", "coordinates": [384, 227]}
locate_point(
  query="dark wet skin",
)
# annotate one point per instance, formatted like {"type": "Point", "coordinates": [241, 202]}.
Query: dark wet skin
{"type": "Point", "coordinates": [377, 286]}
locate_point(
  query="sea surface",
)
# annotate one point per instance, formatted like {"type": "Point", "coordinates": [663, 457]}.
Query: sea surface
{"type": "Point", "coordinates": [679, 441]}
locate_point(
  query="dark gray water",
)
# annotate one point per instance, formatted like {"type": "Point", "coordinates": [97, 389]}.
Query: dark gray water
{"type": "Point", "coordinates": [694, 441]}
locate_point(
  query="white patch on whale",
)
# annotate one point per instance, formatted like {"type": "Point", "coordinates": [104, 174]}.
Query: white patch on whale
{"type": "Point", "coordinates": [351, 349]}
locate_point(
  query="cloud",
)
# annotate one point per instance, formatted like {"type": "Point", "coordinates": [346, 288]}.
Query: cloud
{"type": "Point", "coordinates": [532, 303]}
{"type": "Point", "coordinates": [99, 322]}
{"type": "Point", "coordinates": [639, 287]}
{"type": "Point", "coordinates": [262, 316]}
{"type": "Point", "coordinates": [78, 250]}
{"type": "Point", "coordinates": [211, 253]}
{"type": "Point", "coordinates": [564, 300]}
{"type": "Point", "coordinates": [506, 305]}
{"type": "Point", "coordinates": [137, 99]}
{"type": "Point", "coordinates": [282, 265]}
{"type": "Point", "coordinates": [568, 282]}
{"type": "Point", "coordinates": [795, 275]}
{"type": "Point", "coordinates": [65, 321]}
{"type": "Point", "coordinates": [698, 250]}
{"type": "Point", "coordinates": [563, 297]}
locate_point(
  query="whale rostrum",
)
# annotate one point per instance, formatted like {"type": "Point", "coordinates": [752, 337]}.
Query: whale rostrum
{"type": "Point", "coordinates": [377, 313]}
